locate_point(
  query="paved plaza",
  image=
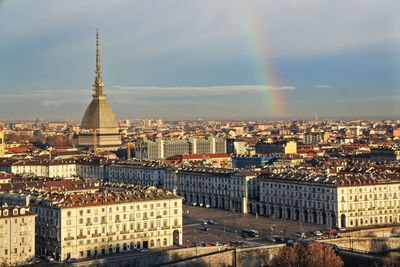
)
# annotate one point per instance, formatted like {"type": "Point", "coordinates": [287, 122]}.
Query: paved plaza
{"type": "Point", "coordinates": [228, 226]}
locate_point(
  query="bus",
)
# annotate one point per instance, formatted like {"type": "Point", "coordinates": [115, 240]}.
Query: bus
{"type": "Point", "coordinates": [250, 233]}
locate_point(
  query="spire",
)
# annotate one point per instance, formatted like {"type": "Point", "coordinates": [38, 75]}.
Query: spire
{"type": "Point", "coordinates": [98, 86]}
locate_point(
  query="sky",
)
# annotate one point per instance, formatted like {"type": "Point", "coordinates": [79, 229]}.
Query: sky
{"type": "Point", "coordinates": [186, 59]}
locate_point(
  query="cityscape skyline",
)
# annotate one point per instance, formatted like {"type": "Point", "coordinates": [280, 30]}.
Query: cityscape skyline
{"type": "Point", "coordinates": [208, 61]}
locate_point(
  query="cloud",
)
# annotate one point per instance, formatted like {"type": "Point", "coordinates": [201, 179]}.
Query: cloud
{"type": "Point", "coordinates": [322, 86]}
{"type": "Point", "coordinates": [47, 97]}
{"type": "Point", "coordinates": [196, 90]}
{"type": "Point", "coordinates": [374, 98]}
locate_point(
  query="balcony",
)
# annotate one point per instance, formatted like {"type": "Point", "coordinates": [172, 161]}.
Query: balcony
{"type": "Point", "coordinates": [88, 223]}
{"type": "Point", "coordinates": [139, 230]}
{"type": "Point", "coordinates": [117, 220]}
{"type": "Point", "coordinates": [80, 237]}
{"type": "Point", "coordinates": [152, 229]}
{"type": "Point", "coordinates": [164, 227]}
{"type": "Point", "coordinates": [103, 222]}
{"type": "Point", "coordinates": [124, 232]}
{"type": "Point", "coordinates": [158, 216]}
{"type": "Point", "coordinates": [176, 226]}
{"type": "Point", "coordinates": [112, 233]}
{"type": "Point", "coordinates": [69, 238]}
{"type": "Point", "coordinates": [96, 235]}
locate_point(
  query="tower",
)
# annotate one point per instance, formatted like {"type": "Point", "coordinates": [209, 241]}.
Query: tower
{"type": "Point", "coordinates": [100, 116]}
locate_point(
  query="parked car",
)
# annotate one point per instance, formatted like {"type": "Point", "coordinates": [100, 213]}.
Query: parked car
{"type": "Point", "coordinates": [207, 206]}
{"type": "Point", "coordinates": [318, 233]}
{"type": "Point", "coordinates": [49, 258]}
{"type": "Point", "coordinates": [335, 248]}
{"type": "Point", "coordinates": [211, 221]}
{"type": "Point", "coordinates": [204, 229]}
{"type": "Point", "coordinates": [271, 239]}
{"type": "Point", "coordinates": [290, 242]}
{"type": "Point", "coordinates": [203, 222]}
{"type": "Point", "coordinates": [72, 260]}
{"type": "Point", "coordinates": [144, 250]}
{"type": "Point", "coordinates": [342, 229]}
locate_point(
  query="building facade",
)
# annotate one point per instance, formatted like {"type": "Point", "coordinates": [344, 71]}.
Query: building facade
{"type": "Point", "coordinates": [137, 172]}
{"type": "Point", "coordinates": [210, 187]}
{"type": "Point", "coordinates": [84, 225]}
{"type": "Point", "coordinates": [17, 232]}
{"type": "Point", "coordinates": [42, 168]}
{"type": "Point", "coordinates": [276, 148]}
{"type": "Point", "coordinates": [2, 144]}
{"type": "Point", "coordinates": [164, 148]}
{"type": "Point", "coordinates": [347, 201]}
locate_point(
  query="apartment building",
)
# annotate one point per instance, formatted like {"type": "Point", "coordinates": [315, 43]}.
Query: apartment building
{"type": "Point", "coordinates": [164, 148]}
{"type": "Point", "coordinates": [17, 244]}
{"type": "Point", "coordinates": [95, 167]}
{"type": "Point", "coordinates": [40, 167]}
{"type": "Point", "coordinates": [112, 220]}
{"type": "Point", "coordinates": [137, 172]}
{"type": "Point", "coordinates": [341, 200]}
{"type": "Point", "coordinates": [211, 187]}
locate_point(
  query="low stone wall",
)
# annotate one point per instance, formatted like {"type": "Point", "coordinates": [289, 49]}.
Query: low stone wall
{"type": "Point", "coordinates": [222, 259]}
{"type": "Point", "coordinates": [154, 258]}
{"type": "Point", "coordinates": [257, 256]}
{"type": "Point", "coordinates": [241, 257]}
{"type": "Point", "coordinates": [368, 244]}
{"type": "Point", "coordinates": [374, 232]}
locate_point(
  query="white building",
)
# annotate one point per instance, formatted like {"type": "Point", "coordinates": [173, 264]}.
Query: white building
{"type": "Point", "coordinates": [82, 225]}
{"type": "Point", "coordinates": [93, 168]}
{"type": "Point", "coordinates": [17, 225]}
{"type": "Point", "coordinates": [43, 168]}
{"type": "Point", "coordinates": [137, 172]}
{"type": "Point", "coordinates": [342, 200]}
{"type": "Point", "coordinates": [211, 187]}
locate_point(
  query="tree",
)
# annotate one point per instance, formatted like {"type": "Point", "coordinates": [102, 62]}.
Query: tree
{"type": "Point", "coordinates": [391, 260]}
{"type": "Point", "coordinates": [312, 255]}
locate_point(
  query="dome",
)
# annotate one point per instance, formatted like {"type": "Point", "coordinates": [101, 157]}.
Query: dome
{"type": "Point", "coordinates": [99, 114]}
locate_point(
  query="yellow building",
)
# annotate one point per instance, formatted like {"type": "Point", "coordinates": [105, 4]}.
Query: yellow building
{"type": "Point", "coordinates": [291, 147]}
{"type": "Point", "coordinates": [1, 143]}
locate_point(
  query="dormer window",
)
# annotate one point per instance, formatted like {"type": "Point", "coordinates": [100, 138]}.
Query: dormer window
{"type": "Point", "coordinates": [5, 213]}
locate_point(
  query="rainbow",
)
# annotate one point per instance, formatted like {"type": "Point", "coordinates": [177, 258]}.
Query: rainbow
{"type": "Point", "coordinates": [266, 73]}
